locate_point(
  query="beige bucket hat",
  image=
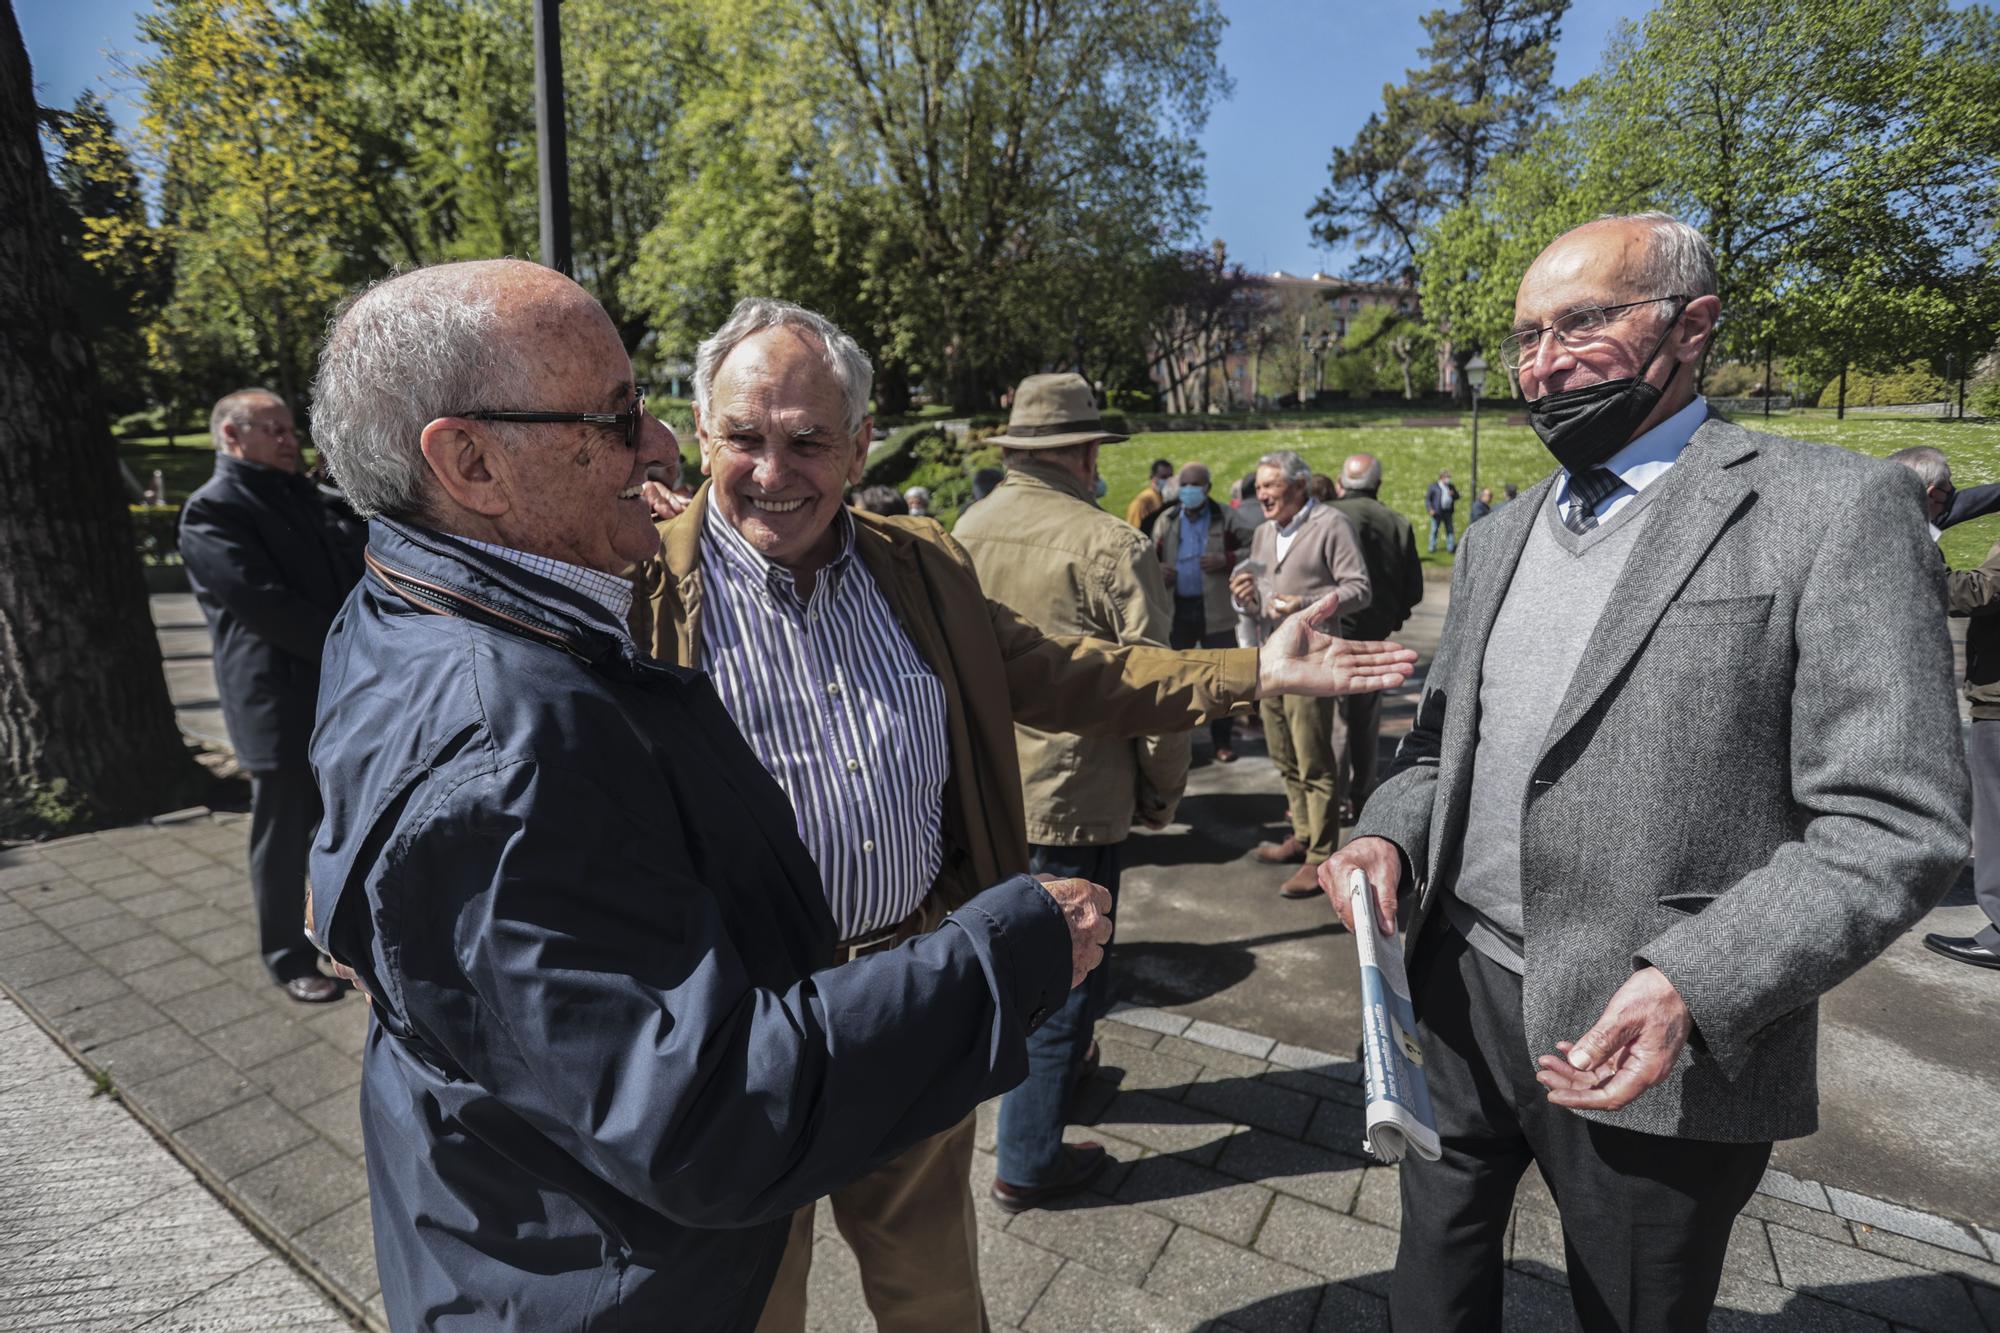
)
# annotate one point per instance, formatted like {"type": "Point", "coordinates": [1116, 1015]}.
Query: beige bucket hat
{"type": "Point", "coordinates": [1051, 411]}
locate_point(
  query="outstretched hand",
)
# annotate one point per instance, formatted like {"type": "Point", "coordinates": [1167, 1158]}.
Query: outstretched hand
{"type": "Point", "coordinates": [1630, 1048]}
{"type": "Point", "coordinates": [1304, 656]}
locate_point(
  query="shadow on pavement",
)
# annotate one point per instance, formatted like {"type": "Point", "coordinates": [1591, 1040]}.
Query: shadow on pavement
{"type": "Point", "coordinates": [1171, 972]}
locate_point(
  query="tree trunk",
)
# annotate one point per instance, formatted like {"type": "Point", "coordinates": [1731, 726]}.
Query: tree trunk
{"type": "Point", "coordinates": [87, 735]}
{"type": "Point", "coordinates": [1840, 406]}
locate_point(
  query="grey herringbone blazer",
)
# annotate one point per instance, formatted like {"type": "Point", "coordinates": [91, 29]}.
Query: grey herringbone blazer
{"type": "Point", "coordinates": [1755, 782]}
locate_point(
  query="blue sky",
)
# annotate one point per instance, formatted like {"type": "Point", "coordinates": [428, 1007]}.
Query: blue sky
{"type": "Point", "coordinates": [1307, 74]}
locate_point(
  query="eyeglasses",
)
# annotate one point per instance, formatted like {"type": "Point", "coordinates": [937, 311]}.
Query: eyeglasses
{"type": "Point", "coordinates": [627, 421]}
{"type": "Point", "coordinates": [1576, 329]}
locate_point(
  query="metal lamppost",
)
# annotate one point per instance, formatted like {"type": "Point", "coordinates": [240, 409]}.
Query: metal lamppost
{"type": "Point", "coordinates": [551, 139]}
{"type": "Point", "coordinates": [1475, 379]}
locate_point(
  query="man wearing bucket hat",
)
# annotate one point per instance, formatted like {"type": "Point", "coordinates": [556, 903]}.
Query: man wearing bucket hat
{"type": "Point", "coordinates": [1030, 540]}
{"type": "Point", "coordinates": [880, 685]}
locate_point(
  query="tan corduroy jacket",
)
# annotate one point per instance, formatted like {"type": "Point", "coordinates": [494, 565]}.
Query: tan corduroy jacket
{"type": "Point", "coordinates": [1043, 547]}
{"type": "Point", "coordinates": [994, 666]}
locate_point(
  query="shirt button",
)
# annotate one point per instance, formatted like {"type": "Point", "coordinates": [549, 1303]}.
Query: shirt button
{"type": "Point", "coordinates": [868, 844]}
{"type": "Point", "coordinates": [854, 765]}
{"type": "Point", "coordinates": [833, 687]}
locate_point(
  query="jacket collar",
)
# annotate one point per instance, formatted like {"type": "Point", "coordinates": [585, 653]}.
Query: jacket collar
{"type": "Point", "coordinates": [441, 574]}
{"type": "Point", "coordinates": [1047, 476]}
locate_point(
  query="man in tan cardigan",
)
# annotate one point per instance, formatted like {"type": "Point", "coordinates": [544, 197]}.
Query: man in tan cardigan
{"type": "Point", "coordinates": [1306, 552]}
{"type": "Point", "coordinates": [793, 604]}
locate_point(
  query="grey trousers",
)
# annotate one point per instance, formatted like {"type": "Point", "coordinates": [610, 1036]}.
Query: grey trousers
{"type": "Point", "coordinates": [1984, 755]}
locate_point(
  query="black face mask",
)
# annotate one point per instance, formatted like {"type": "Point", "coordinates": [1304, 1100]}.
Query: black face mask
{"type": "Point", "coordinates": [1583, 427]}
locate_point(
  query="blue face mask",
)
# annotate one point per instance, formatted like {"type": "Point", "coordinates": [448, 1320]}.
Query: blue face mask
{"type": "Point", "coordinates": [1193, 497]}
{"type": "Point", "coordinates": [1101, 488]}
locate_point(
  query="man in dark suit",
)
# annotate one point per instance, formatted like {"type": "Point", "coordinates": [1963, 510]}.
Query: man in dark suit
{"type": "Point", "coordinates": [270, 562]}
{"type": "Point", "coordinates": [1396, 578]}
{"type": "Point", "coordinates": [1686, 758]}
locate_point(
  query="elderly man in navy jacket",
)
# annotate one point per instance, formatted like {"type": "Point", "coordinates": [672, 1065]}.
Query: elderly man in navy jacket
{"type": "Point", "coordinates": [269, 563]}
{"type": "Point", "coordinates": [609, 1055]}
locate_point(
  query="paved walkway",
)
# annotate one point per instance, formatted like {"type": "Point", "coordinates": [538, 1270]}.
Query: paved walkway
{"type": "Point", "coordinates": [102, 1228]}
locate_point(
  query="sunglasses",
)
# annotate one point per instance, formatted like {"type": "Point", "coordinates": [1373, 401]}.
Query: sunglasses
{"type": "Point", "coordinates": [627, 422]}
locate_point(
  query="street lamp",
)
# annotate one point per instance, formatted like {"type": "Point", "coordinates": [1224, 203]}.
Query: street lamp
{"type": "Point", "coordinates": [1475, 379]}
{"type": "Point", "coordinates": [551, 139]}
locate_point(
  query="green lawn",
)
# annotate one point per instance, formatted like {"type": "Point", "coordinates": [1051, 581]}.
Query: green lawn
{"type": "Point", "coordinates": [1413, 455]}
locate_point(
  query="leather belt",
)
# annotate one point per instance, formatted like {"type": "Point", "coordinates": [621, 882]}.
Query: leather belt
{"type": "Point", "coordinates": [874, 940]}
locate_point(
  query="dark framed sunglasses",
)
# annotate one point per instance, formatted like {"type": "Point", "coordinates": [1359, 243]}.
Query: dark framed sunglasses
{"type": "Point", "coordinates": [628, 421]}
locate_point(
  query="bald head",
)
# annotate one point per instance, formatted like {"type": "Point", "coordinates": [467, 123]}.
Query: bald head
{"type": "Point", "coordinates": [435, 342]}
{"type": "Point", "coordinates": [1195, 474]}
{"type": "Point", "coordinates": [1361, 472]}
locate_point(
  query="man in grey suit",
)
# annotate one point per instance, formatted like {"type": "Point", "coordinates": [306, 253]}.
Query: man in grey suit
{"type": "Point", "coordinates": [1686, 757]}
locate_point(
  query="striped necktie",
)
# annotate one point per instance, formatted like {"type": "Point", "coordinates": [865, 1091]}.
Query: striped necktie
{"type": "Point", "coordinates": [1588, 490]}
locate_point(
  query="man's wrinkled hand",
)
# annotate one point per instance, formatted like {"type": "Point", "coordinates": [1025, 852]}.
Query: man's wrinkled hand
{"type": "Point", "coordinates": [1380, 861]}
{"type": "Point", "coordinates": [1212, 562]}
{"type": "Point", "coordinates": [1087, 909]}
{"type": "Point", "coordinates": [340, 969]}
{"type": "Point", "coordinates": [1243, 587]}
{"type": "Point", "coordinates": [1632, 1047]}
{"type": "Point", "coordinates": [663, 503]}
{"type": "Point", "coordinates": [1304, 656]}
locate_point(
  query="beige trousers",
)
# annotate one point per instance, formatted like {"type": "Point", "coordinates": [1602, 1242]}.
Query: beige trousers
{"type": "Point", "coordinates": [1302, 734]}
{"type": "Point", "coordinates": [911, 1225]}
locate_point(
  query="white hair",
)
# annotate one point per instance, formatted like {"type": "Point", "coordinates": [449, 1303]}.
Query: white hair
{"type": "Point", "coordinates": [1679, 262]}
{"type": "Point", "coordinates": [234, 409]}
{"type": "Point", "coordinates": [399, 354]}
{"type": "Point", "coordinates": [1294, 468]}
{"type": "Point", "coordinates": [1930, 465]}
{"type": "Point", "coordinates": [754, 314]}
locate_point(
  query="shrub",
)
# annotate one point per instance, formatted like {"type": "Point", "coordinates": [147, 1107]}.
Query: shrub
{"type": "Point", "coordinates": [1913, 383]}
{"type": "Point", "coordinates": [156, 533]}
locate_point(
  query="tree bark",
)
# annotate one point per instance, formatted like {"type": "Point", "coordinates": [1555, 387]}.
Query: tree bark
{"type": "Point", "coordinates": [87, 734]}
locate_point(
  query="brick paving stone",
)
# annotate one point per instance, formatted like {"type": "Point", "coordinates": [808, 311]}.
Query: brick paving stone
{"type": "Point", "coordinates": [1110, 1029]}
{"type": "Point", "coordinates": [192, 922]}
{"type": "Point", "coordinates": [75, 990]}
{"type": "Point", "coordinates": [19, 874]}
{"type": "Point", "coordinates": [75, 911]}
{"type": "Point", "coordinates": [343, 1023]}
{"type": "Point", "coordinates": [835, 1302]}
{"type": "Point", "coordinates": [26, 939]}
{"type": "Point", "coordinates": [1746, 1306]}
{"type": "Point", "coordinates": [312, 1073]}
{"type": "Point", "coordinates": [1991, 1239]}
{"type": "Point", "coordinates": [1217, 1061]}
{"type": "Point", "coordinates": [137, 954]}
{"type": "Point", "coordinates": [268, 1295]}
{"type": "Point", "coordinates": [301, 1186]}
{"type": "Point", "coordinates": [1380, 1199]}
{"type": "Point", "coordinates": [43, 965]}
{"type": "Point", "coordinates": [1229, 1039]}
{"type": "Point", "coordinates": [205, 1009]}
{"type": "Point", "coordinates": [1750, 1251]}
{"type": "Point", "coordinates": [1336, 1125]}
{"type": "Point", "coordinates": [177, 861]}
{"type": "Point", "coordinates": [1195, 1196]}
{"type": "Point", "coordinates": [1873, 1283]}
{"type": "Point", "coordinates": [1148, 1070]}
{"type": "Point", "coordinates": [249, 1042]}
{"type": "Point", "coordinates": [1335, 1246]}
{"type": "Point", "coordinates": [1012, 1275]}
{"type": "Point", "coordinates": [127, 887]}
{"type": "Point", "coordinates": [1152, 1020]}
{"type": "Point", "coordinates": [106, 930]}
{"type": "Point", "coordinates": [1318, 1086]}
{"type": "Point", "coordinates": [147, 1055]}
{"type": "Point", "coordinates": [343, 1247]}
{"type": "Point", "coordinates": [1527, 1302]}
{"type": "Point", "coordinates": [193, 1092]}
{"type": "Point", "coordinates": [244, 1137]}
{"type": "Point", "coordinates": [1254, 1101]}
{"type": "Point", "coordinates": [54, 890]}
{"type": "Point", "coordinates": [214, 879]}
{"type": "Point", "coordinates": [1121, 1242]}
{"type": "Point", "coordinates": [161, 902]}
{"type": "Point", "coordinates": [12, 914]}
{"type": "Point", "coordinates": [1165, 1126]}
{"type": "Point", "coordinates": [1804, 1193]}
{"type": "Point", "coordinates": [1905, 1222]}
{"type": "Point", "coordinates": [338, 1119]}
{"type": "Point", "coordinates": [219, 946]}
{"type": "Point", "coordinates": [1223, 1282]}
{"type": "Point", "coordinates": [107, 870]}
{"type": "Point", "coordinates": [1934, 1257]}
{"type": "Point", "coordinates": [68, 851]}
{"type": "Point", "coordinates": [1329, 1179]}
{"type": "Point", "coordinates": [114, 1020]}
{"type": "Point", "coordinates": [1770, 1208]}
{"type": "Point", "coordinates": [1078, 1299]}
{"type": "Point", "coordinates": [1535, 1245]}
{"type": "Point", "coordinates": [1349, 1310]}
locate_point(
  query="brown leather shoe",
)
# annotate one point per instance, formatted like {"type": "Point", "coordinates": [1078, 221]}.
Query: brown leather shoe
{"type": "Point", "coordinates": [313, 990]}
{"type": "Point", "coordinates": [1289, 852]}
{"type": "Point", "coordinates": [1225, 755]}
{"type": "Point", "coordinates": [1081, 1161]}
{"type": "Point", "coordinates": [1304, 883]}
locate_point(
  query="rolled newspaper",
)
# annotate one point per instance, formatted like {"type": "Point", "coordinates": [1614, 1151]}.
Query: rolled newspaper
{"type": "Point", "coordinates": [1399, 1102]}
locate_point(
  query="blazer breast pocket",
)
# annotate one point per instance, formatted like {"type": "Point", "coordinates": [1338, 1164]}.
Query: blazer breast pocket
{"type": "Point", "coordinates": [1755, 610]}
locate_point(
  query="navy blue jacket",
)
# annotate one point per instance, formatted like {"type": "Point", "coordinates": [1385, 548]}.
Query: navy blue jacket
{"type": "Point", "coordinates": [609, 1057]}
{"type": "Point", "coordinates": [270, 564]}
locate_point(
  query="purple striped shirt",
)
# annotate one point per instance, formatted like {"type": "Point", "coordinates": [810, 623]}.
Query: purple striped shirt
{"type": "Point", "coordinates": [835, 700]}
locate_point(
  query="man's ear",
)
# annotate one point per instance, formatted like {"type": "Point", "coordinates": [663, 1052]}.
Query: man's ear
{"type": "Point", "coordinates": [1698, 326]}
{"type": "Point", "coordinates": [469, 465]}
{"type": "Point", "coordinates": [862, 439]}
{"type": "Point", "coordinates": [701, 442]}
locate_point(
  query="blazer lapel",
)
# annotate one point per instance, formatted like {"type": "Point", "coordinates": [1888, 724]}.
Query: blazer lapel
{"type": "Point", "coordinates": [1486, 581]}
{"type": "Point", "coordinates": [1700, 498]}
